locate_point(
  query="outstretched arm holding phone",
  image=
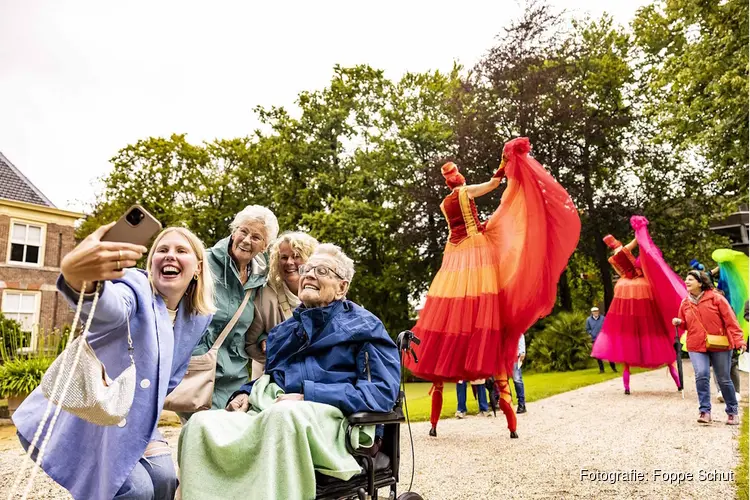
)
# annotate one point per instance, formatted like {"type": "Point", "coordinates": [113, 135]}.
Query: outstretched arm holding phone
{"type": "Point", "coordinates": [95, 260]}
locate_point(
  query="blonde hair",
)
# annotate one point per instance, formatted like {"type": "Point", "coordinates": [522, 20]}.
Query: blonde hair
{"type": "Point", "coordinates": [199, 295]}
{"type": "Point", "coordinates": [257, 213]}
{"type": "Point", "coordinates": [301, 243]}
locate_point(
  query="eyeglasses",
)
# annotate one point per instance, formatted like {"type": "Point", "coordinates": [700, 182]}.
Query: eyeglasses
{"type": "Point", "coordinates": [257, 238]}
{"type": "Point", "coordinates": [321, 271]}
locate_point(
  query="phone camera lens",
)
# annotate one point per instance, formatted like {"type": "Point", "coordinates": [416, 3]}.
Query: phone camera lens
{"type": "Point", "coordinates": [134, 217]}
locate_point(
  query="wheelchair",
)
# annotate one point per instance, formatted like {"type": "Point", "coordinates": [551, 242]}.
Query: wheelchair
{"type": "Point", "coordinates": [381, 470]}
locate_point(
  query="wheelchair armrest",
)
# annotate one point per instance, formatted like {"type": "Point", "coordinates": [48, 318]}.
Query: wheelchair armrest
{"type": "Point", "coordinates": [372, 418]}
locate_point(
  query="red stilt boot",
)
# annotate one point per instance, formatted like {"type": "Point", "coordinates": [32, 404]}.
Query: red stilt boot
{"type": "Point", "coordinates": [505, 402]}
{"type": "Point", "coordinates": [437, 406]}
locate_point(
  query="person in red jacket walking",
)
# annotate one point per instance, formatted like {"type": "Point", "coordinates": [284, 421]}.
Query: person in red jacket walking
{"type": "Point", "coordinates": [712, 333]}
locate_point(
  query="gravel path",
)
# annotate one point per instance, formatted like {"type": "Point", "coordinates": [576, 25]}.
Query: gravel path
{"type": "Point", "coordinates": [596, 428]}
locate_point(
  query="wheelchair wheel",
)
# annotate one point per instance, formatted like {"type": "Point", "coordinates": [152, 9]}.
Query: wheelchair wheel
{"type": "Point", "coordinates": [409, 495]}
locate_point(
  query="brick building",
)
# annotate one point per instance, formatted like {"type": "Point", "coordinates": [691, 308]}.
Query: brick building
{"type": "Point", "coordinates": [34, 237]}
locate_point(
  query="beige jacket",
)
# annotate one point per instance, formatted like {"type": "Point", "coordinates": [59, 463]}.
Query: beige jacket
{"type": "Point", "coordinates": [270, 310]}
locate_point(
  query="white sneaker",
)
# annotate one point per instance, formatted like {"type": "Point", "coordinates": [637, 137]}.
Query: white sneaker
{"type": "Point", "coordinates": [460, 414]}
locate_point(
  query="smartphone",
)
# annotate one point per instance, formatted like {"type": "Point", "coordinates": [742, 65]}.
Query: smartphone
{"type": "Point", "coordinates": [136, 226]}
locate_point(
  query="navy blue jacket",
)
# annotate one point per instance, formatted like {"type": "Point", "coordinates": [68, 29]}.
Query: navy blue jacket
{"type": "Point", "coordinates": [594, 326]}
{"type": "Point", "coordinates": [339, 355]}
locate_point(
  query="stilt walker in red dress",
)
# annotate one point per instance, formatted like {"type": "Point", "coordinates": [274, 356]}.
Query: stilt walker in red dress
{"type": "Point", "coordinates": [637, 329]}
{"type": "Point", "coordinates": [496, 279]}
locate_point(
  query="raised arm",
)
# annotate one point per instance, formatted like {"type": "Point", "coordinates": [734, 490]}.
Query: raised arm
{"type": "Point", "coordinates": [95, 260]}
{"type": "Point", "coordinates": [631, 246]}
{"type": "Point", "coordinates": [477, 190]}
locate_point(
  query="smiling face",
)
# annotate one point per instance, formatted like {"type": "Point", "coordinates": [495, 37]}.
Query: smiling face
{"type": "Point", "coordinates": [693, 285]}
{"type": "Point", "coordinates": [248, 240]}
{"type": "Point", "coordinates": [173, 266]}
{"type": "Point", "coordinates": [289, 262]}
{"type": "Point", "coordinates": [319, 291]}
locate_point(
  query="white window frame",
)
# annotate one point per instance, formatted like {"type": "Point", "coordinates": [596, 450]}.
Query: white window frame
{"type": "Point", "coordinates": [42, 242]}
{"type": "Point", "coordinates": [37, 312]}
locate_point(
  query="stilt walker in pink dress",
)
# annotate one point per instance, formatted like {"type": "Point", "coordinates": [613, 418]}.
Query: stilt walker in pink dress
{"type": "Point", "coordinates": [637, 329]}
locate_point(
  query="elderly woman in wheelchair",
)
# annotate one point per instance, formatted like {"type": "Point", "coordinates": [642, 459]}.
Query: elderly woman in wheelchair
{"type": "Point", "coordinates": [331, 360]}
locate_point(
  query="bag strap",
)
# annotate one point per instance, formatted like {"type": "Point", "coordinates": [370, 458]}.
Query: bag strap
{"type": "Point", "coordinates": [286, 308]}
{"type": "Point", "coordinates": [232, 322]}
{"type": "Point", "coordinates": [130, 342]}
{"type": "Point", "coordinates": [61, 395]}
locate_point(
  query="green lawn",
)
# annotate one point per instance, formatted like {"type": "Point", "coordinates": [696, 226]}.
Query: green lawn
{"type": "Point", "coordinates": [741, 478]}
{"type": "Point", "coordinates": [537, 386]}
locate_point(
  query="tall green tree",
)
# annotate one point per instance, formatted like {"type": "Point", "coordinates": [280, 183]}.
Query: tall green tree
{"type": "Point", "coordinates": [564, 88]}
{"type": "Point", "coordinates": [180, 184]}
{"type": "Point", "coordinates": [694, 63]}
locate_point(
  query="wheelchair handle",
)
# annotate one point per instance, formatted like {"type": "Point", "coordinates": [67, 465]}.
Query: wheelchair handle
{"type": "Point", "coordinates": [404, 340]}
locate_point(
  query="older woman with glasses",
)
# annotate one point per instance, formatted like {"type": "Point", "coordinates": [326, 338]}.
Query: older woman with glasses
{"type": "Point", "coordinates": [332, 358]}
{"type": "Point", "coordinates": [239, 264]}
{"type": "Point", "coordinates": [275, 302]}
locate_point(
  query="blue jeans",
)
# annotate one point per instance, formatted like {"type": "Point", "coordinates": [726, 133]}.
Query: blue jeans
{"type": "Point", "coordinates": [518, 384]}
{"type": "Point", "coordinates": [481, 396]}
{"type": "Point", "coordinates": [721, 361]}
{"type": "Point", "coordinates": [152, 478]}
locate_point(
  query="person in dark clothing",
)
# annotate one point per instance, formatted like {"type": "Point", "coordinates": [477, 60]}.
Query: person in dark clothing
{"type": "Point", "coordinates": [593, 326]}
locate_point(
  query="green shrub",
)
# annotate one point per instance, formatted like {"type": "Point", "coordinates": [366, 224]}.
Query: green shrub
{"type": "Point", "coordinates": [562, 346]}
{"type": "Point", "coordinates": [21, 376]}
{"type": "Point", "coordinates": [51, 342]}
{"type": "Point", "coordinates": [15, 343]}
{"type": "Point", "coordinates": [11, 338]}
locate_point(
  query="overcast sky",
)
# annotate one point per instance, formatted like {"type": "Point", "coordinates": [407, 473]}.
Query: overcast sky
{"type": "Point", "coordinates": [81, 79]}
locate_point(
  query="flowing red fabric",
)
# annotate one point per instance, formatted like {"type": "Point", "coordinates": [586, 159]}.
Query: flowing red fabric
{"type": "Point", "coordinates": [671, 288]}
{"type": "Point", "coordinates": [494, 285]}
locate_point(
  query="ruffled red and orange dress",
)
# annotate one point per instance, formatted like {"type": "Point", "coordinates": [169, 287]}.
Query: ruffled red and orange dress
{"type": "Point", "coordinates": [498, 279]}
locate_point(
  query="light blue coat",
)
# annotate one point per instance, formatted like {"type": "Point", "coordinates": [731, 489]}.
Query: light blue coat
{"type": "Point", "coordinates": [91, 461]}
